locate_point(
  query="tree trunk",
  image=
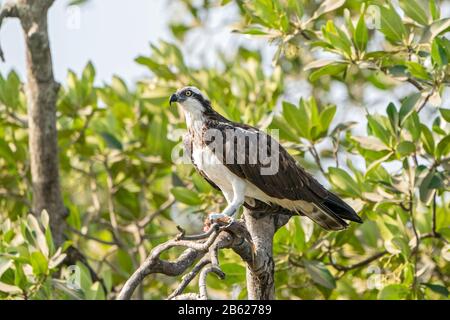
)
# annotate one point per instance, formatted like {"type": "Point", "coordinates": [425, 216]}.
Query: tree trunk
{"type": "Point", "coordinates": [42, 91]}
{"type": "Point", "coordinates": [262, 222]}
{"type": "Point", "coordinates": [260, 274]}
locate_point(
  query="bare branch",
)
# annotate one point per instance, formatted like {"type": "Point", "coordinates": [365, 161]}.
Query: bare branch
{"type": "Point", "coordinates": [202, 281]}
{"type": "Point", "coordinates": [356, 265]}
{"type": "Point", "coordinates": [233, 236]}
{"type": "Point", "coordinates": [425, 101]}
{"type": "Point", "coordinates": [8, 10]}
{"type": "Point", "coordinates": [187, 296]}
{"type": "Point", "coordinates": [89, 237]}
{"type": "Point", "coordinates": [188, 277]}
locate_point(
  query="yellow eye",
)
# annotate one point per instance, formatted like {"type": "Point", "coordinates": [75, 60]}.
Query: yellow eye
{"type": "Point", "coordinates": [188, 93]}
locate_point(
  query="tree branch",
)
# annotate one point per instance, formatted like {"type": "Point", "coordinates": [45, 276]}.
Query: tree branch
{"type": "Point", "coordinates": [358, 264]}
{"type": "Point", "coordinates": [8, 10]}
{"type": "Point", "coordinates": [232, 236]}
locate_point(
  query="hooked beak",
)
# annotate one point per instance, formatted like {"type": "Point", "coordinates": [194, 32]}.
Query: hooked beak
{"type": "Point", "coordinates": [173, 98]}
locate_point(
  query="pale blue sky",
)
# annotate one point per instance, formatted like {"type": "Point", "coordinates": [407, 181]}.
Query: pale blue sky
{"type": "Point", "coordinates": [111, 34]}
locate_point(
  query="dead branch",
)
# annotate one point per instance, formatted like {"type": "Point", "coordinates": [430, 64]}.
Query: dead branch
{"type": "Point", "coordinates": [203, 248]}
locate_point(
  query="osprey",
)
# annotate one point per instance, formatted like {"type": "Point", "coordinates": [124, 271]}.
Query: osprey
{"type": "Point", "coordinates": [249, 167]}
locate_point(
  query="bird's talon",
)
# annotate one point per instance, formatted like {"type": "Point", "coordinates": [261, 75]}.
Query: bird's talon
{"type": "Point", "coordinates": [220, 218]}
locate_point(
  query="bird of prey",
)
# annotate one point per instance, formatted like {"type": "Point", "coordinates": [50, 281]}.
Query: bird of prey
{"type": "Point", "coordinates": [230, 157]}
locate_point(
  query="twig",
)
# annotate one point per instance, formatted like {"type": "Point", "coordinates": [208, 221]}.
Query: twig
{"type": "Point", "coordinates": [358, 264]}
{"type": "Point", "coordinates": [415, 251]}
{"type": "Point", "coordinates": [149, 218]}
{"type": "Point", "coordinates": [202, 280]}
{"type": "Point", "coordinates": [89, 237]}
{"type": "Point", "coordinates": [427, 97]}
{"type": "Point", "coordinates": [187, 278]}
{"type": "Point", "coordinates": [433, 228]}
{"type": "Point", "coordinates": [316, 157]}
{"type": "Point", "coordinates": [336, 148]}
{"type": "Point", "coordinates": [415, 83]}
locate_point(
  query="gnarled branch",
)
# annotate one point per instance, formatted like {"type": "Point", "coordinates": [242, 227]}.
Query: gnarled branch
{"type": "Point", "coordinates": [202, 249]}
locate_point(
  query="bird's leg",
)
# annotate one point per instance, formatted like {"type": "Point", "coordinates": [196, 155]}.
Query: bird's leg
{"type": "Point", "coordinates": [238, 197]}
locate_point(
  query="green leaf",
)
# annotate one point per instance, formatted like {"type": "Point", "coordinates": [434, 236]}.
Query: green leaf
{"type": "Point", "coordinates": [39, 263]}
{"type": "Point", "coordinates": [338, 39]}
{"type": "Point", "coordinates": [391, 25]}
{"type": "Point", "coordinates": [439, 289]}
{"type": "Point", "coordinates": [370, 143]}
{"type": "Point", "coordinates": [186, 196]}
{"type": "Point", "coordinates": [436, 28]}
{"type": "Point", "coordinates": [326, 116]}
{"type": "Point", "coordinates": [344, 182]}
{"type": "Point", "coordinates": [361, 34]}
{"type": "Point", "coordinates": [234, 272]}
{"type": "Point", "coordinates": [427, 139]}
{"type": "Point", "coordinates": [40, 240]}
{"type": "Point", "coordinates": [405, 148]}
{"type": "Point", "coordinates": [252, 31]}
{"type": "Point", "coordinates": [320, 274]}
{"type": "Point", "coordinates": [200, 184]}
{"type": "Point", "coordinates": [296, 118]}
{"type": "Point", "coordinates": [296, 7]}
{"type": "Point", "coordinates": [328, 70]}
{"type": "Point", "coordinates": [408, 106]}
{"type": "Point", "coordinates": [378, 129]}
{"type": "Point", "coordinates": [5, 264]}
{"type": "Point", "coordinates": [438, 53]}
{"type": "Point", "coordinates": [393, 116]}
{"type": "Point", "coordinates": [445, 113]}
{"type": "Point", "coordinates": [89, 72]}
{"type": "Point", "coordinates": [412, 124]}
{"type": "Point", "coordinates": [319, 63]}
{"type": "Point", "coordinates": [162, 71]}
{"type": "Point", "coordinates": [111, 141]}
{"type": "Point", "coordinates": [394, 292]}
{"type": "Point", "coordinates": [443, 147]}
{"type": "Point", "coordinates": [427, 186]}
{"type": "Point", "coordinates": [327, 6]}
{"type": "Point", "coordinates": [375, 164]}
{"type": "Point", "coordinates": [6, 152]}
{"type": "Point", "coordinates": [414, 10]}
{"type": "Point", "coordinates": [95, 292]}
{"type": "Point", "coordinates": [434, 10]}
{"type": "Point", "coordinates": [417, 70]}
{"type": "Point", "coordinates": [286, 131]}
{"type": "Point", "coordinates": [298, 236]}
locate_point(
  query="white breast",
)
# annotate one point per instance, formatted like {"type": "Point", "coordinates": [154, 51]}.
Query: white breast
{"type": "Point", "coordinates": [206, 161]}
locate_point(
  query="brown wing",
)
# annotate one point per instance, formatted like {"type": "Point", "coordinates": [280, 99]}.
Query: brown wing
{"type": "Point", "coordinates": [289, 181]}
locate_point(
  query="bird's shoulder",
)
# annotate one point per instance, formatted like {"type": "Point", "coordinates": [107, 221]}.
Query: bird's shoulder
{"type": "Point", "coordinates": [291, 180]}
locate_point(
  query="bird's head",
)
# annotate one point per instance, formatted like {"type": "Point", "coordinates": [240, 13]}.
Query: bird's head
{"type": "Point", "coordinates": [191, 99]}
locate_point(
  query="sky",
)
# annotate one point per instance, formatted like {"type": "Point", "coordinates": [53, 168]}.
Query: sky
{"type": "Point", "coordinates": [110, 33]}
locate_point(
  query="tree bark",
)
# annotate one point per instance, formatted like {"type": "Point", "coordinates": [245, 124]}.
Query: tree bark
{"type": "Point", "coordinates": [42, 91]}
{"type": "Point", "coordinates": [262, 222]}
{"type": "Point", "coordinates": [260, 274]}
